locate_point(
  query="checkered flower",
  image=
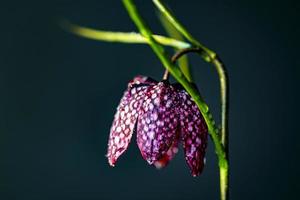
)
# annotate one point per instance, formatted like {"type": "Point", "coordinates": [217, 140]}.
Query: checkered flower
{"type": "Point", "coordinates": [163, 115]}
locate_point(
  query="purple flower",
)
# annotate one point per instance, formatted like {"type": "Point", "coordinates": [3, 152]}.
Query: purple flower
{"type": "Point", "coordinates": [162, 114]}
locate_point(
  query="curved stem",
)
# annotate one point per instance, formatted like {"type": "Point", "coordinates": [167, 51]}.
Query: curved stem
{"type": "Point", "coordinates": [224, 93]}
{"type": "Point", "coordinates": [177, 74]}
{"type": "Point", "coordinates": [182, 52]}
{"type": "Point", "coordinates": [211, 57]}
{"type": "Point", "coordinates": [109, 36]}
{"type": "Point", "coordinates": [224, 89]}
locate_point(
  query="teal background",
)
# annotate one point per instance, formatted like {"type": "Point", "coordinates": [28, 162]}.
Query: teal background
{"type": "Point", "coordinates": [59, 93]}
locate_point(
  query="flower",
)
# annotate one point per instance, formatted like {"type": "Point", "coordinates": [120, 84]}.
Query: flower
{"type": "Point", "coordinates": [162, 114]}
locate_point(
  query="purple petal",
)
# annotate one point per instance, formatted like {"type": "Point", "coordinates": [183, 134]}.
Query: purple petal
{"type": "Point", "coordinates": [158, 122]}
{"type": "Point", "coordinates": [124, 122]}
{"type": "Point", "coordinates": [193, 133]}
{"type": "Point", "coordinates": [167, 157]}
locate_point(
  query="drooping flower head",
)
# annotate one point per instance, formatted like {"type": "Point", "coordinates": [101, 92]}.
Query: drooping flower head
{"type": "Point", "coordinates": [163, 115]}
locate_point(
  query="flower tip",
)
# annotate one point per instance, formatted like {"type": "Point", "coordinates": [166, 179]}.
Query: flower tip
{"type": "Point", "coordinates": [111, 161]}
{"type": "Point", "coordinates": [196, 173]}
{"type": "Point", "coordinates": [158, 165]}
{"type": "Point", "coordinates": [111, 164]}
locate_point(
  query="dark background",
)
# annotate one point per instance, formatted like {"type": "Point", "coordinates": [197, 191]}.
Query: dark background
{"type": "Point", "coordinates": [59, 93]}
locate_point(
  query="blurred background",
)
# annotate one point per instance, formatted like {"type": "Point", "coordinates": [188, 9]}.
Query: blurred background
{"type": "Point", "coordinates": [59, 93]}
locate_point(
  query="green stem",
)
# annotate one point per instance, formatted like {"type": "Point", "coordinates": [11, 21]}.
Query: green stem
{"type": "Point", "coordinates": [109, 36]}
{"type": "Point", "coordinates": [177, 74]}
{"type": "Point", "coordinates": [224, 91]}
{"type": "Point", "coordinates": [211, 57]}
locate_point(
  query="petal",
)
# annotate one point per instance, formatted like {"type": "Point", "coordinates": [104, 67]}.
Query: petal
{"type": "Point", "coordinates": [124, 122]}
{"type": "Point", "coordinates": [193, 133]}
{"type": "Point", "coordinates": [167, 157]}
{"type": "Point", "coordinates": [158, 122]}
